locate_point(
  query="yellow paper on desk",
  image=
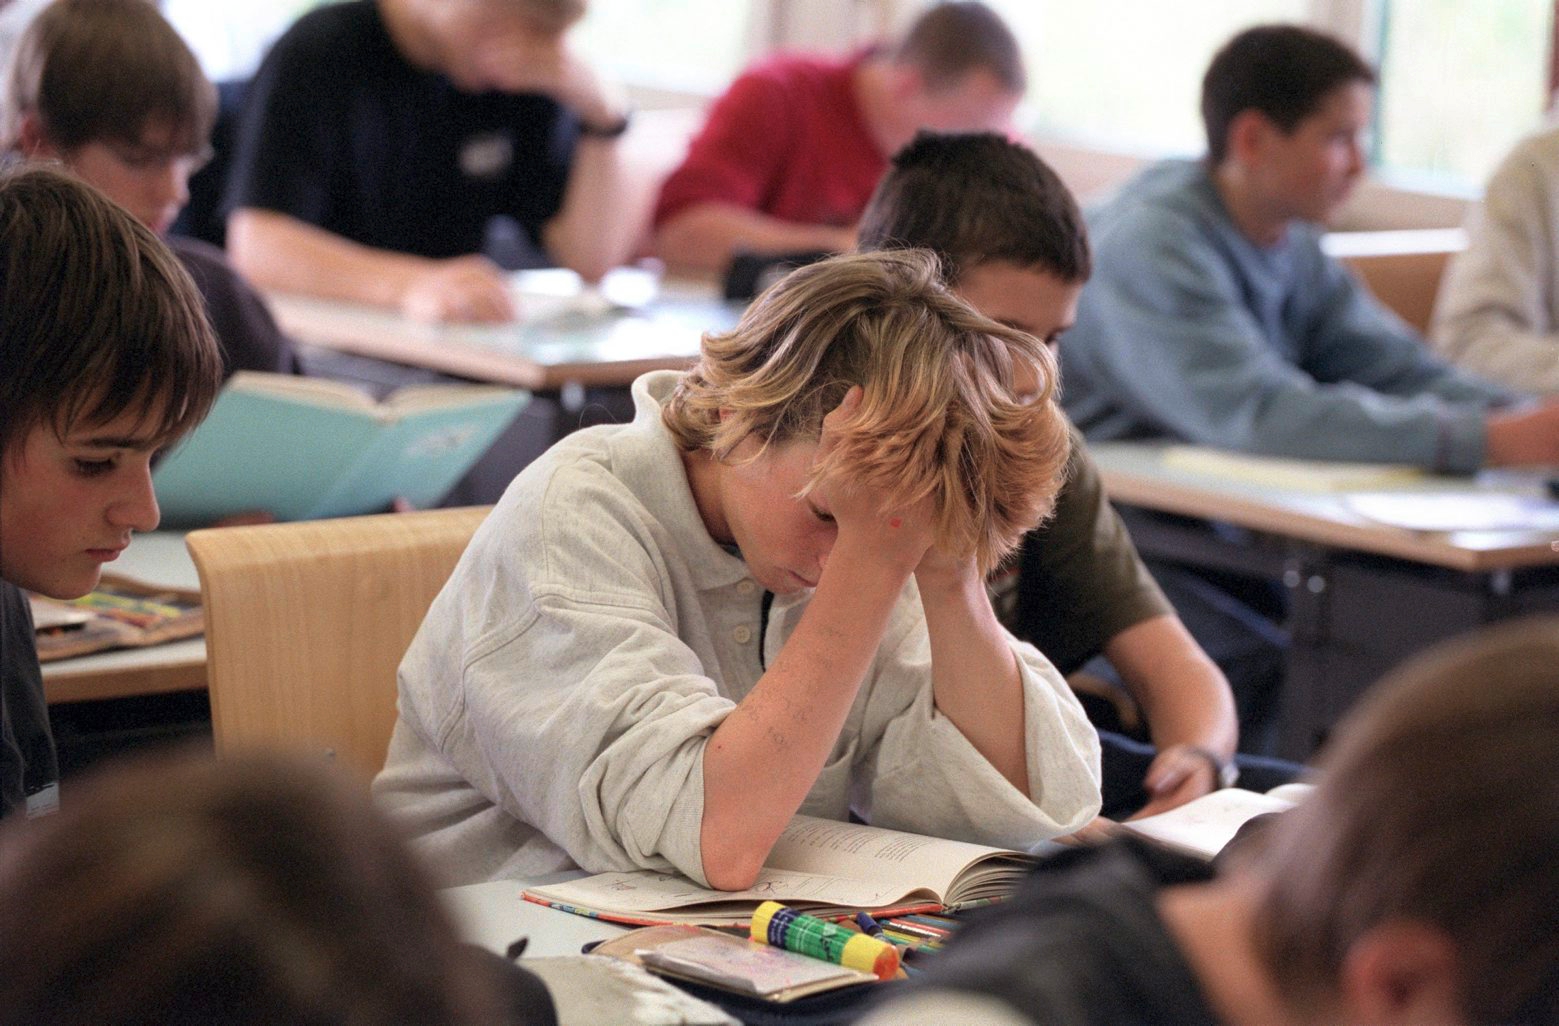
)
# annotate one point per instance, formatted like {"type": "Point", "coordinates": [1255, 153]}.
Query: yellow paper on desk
{"type": "Point", "coordinates": [1290, 475]}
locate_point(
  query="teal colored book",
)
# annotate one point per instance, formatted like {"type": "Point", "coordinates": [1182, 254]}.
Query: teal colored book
{"type": "Point", "coordinates": [304, 448]}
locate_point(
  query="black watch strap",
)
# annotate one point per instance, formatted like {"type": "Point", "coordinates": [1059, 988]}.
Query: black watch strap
{"type": "Point", "coordinates": [611, 131]}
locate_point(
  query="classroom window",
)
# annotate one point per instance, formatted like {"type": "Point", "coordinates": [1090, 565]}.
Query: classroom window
{"type": "Point", "coordinates": [682, 46]}
{"type": "Point", "coordinates": [1460, 83]}
{"type": "Point", "coordinates": [230, 38]}
{"type": "Point", "coordinates": [1126, 75]}
{"type": "Point", "coordinates": [679, 46]}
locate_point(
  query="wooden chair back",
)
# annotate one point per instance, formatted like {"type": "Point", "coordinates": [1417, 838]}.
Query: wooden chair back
{"type": "Point", "coordinates": [1402, 268]}
{"type": "Point", "coordinates": [307, 622]}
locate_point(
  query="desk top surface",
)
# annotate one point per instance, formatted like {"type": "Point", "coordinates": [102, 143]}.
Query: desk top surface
{"type": "Point", "coordinates": [156, 558]}
{"type": "Point", "coordinates": [1136, 473]}
{"type": "Point", "coordinates": [585, 339]}
{"type": "Point", "coordinates": [494, 915]}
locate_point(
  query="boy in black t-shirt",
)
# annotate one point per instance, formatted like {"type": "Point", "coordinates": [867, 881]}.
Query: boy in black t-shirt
{"type": "Point", "coordinates": [108, 358]}
{"type": "Point", "coordinates": [382, 138]}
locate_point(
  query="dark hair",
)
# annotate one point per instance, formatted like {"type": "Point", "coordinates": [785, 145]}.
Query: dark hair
{"type": "Point", "coordinates": [1437, 804]}
{"type": "Point", "coordinates": [975, 199]}
{"type": "Point", "coordinates": [97, 317]}
{"type": "Point", "coordinates": [94, 70]}
{"type": "Point", "coordinates": [179, 889]}
{"type": "Point", "coordinates": [1284, 71]}
{"type": "Point", "coordinates": [952, 39]}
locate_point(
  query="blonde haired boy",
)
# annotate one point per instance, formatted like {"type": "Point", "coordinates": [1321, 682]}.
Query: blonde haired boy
{"type": "Point", "coordinates": [763, 596]}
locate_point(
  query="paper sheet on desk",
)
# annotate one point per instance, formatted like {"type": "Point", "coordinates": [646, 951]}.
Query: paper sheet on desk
{"type": "Point", "coordinates": [554, 292]}
{"type": "Point", "coordinates": [1457, 511]}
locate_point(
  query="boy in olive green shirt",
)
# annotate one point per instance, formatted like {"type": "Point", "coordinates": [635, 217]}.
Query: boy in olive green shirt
{"type": "Point", "coordinates": [1014, 247]}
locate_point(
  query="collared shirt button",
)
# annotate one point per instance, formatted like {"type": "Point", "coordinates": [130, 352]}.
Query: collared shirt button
{"type": "Point", "coordinates": [745, 587]}
{"type": "Point", "coordinates": [742, 634]}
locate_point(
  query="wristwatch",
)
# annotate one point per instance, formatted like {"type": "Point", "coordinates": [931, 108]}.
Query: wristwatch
{"type": "Point", "coordinates": [610, 131]}
{"type": "Point", "coordinates": [1225, 773]}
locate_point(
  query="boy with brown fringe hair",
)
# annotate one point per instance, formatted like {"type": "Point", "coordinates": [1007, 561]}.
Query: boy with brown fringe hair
{"type": "Point", "coordinates": [108, 359]}
{"type": "Point", "coordinates": [1013, 244]}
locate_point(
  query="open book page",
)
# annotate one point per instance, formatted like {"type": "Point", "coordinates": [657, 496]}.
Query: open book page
{"type": "Point", "coordinates": [816, 864]}
{"type": "Point", "coordinates": [313, 391]}
{"type": "Point", "coordinates": [416, 398]}
{"type": "Point", "coordinates": [949, 869]}
{"type": "Point", "coordinates": [1293, 475]}
{"type": "Point", "coordinates": [118, 613]}
{"type": "Point", "coordinates": [1204, 825]}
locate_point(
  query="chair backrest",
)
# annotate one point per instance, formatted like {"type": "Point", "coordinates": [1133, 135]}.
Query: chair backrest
{"type": "Point", "coordinates": [1402, 268]}
{"type": "Point", "coordinates": [306, 624]}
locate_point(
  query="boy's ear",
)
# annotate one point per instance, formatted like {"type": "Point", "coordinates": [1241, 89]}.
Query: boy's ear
{"type": "Point", "coordinates": [1248, 134]}
{"type": "Point", "coordinates": [32, 139]}
{"type": "Point", "coordinates": [907, 81]}
{"type": "Point", "coordinates": [1401, 972]}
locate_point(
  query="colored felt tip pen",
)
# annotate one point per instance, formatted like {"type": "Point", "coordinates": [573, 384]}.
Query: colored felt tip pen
{"type": "Point", "coordinates": [786, 928]}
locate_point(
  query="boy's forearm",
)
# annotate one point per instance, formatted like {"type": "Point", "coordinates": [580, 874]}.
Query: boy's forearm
{"type": "Point", "coordinates": [1183, 694]}
{"type": "Point", "coordinates": [601, 220]}
{"type": "Point", "coordinates": [975, 678]}
{"type": "Point", "coordinates": [765, 757]}
{"type": "Point", "coordinates": [279, 252]}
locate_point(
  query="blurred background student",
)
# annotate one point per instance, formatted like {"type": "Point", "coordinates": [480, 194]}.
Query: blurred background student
{"type": "Point", "coordinates": [791, 152]}
{"type": "Point", "coordinates": [178, 889]}
{"type": "Point", "coordinates": [111, 90]}
{"type": "Point", "coordinates": [1416, 885]}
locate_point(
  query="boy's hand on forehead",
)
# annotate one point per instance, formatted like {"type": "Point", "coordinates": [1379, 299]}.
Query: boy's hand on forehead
{"type": "Point", "coordinates": [539, 63]}
{"type": "Point", "coordinates": [897, 537]}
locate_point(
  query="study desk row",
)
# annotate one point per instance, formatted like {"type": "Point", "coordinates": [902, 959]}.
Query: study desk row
{"type": "Point", "coordinates": [1363, 595]}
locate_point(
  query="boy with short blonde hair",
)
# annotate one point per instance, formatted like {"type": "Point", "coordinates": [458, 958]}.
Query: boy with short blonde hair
{"type": "Point", "coordinates": [673, 635]}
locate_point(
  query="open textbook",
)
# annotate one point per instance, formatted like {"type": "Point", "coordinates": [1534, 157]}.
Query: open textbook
{"type": "Point", "coordinates": [1202, 826]}
{"type": "Point", "coordinates": [302, 448]}
{"type": "Point", "coordinates": [818, 866]}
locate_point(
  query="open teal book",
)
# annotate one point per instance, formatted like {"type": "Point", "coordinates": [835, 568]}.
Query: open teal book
{"type": "Point", "coordinates": [303, 448]}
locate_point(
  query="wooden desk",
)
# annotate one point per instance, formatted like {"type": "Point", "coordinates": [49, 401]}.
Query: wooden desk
{"type": "Point", "coordinates": [1363, 596]}
{"type": "Point", "coordinates": [610, 347]}
{"type": "Point", "coordinates": [157, 558]}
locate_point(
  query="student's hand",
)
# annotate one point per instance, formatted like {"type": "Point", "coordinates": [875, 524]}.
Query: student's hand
{"type": "Point", "coordinates": [896, 538]}
{"type": "Point", "coordinates": [468, 288]}
{"type": "Point", "coordinates": [1176, 776]}
{"type": "Point", "coordinates": [540, 63]}
{"type": "Point", "coordinates": [1525, 437]}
